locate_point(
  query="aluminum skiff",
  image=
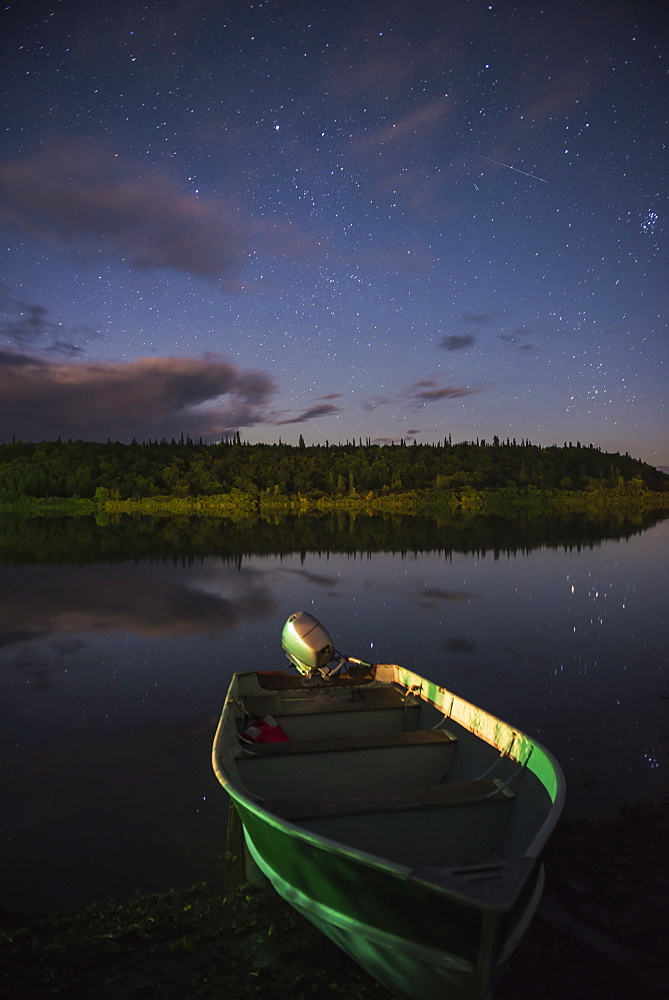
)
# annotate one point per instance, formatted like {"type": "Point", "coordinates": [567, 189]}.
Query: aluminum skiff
{"type": "Point", "coordinates": [404, 822]}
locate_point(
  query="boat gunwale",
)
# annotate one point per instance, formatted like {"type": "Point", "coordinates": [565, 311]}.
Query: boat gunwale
{"type": "Point", "coordinates": [254, 804]}
{"type": "Point", "coordinates": [528, 743]}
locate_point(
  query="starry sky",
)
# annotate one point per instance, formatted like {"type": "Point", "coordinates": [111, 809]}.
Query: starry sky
{"type": "Point", "coordinates": [337, 220]}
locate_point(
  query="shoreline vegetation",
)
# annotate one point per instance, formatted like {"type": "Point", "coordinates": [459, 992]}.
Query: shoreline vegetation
{"type": "Point", "coordinates": [599, 932]}
{"type": "Point", "coordinates": [507, 502]}
{"type": "Point", "coordinates": [233, 479]}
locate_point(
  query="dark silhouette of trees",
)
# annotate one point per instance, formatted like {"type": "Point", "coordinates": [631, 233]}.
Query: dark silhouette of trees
{"type": "Point", "coordinates": [186, 468]}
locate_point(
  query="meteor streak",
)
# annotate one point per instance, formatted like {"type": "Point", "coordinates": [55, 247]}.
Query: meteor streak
{"type": "Point", "coordinates": [509, 167]}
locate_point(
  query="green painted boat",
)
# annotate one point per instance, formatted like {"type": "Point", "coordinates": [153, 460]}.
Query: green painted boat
{"type": "Point", "coordinates": [404, 822]}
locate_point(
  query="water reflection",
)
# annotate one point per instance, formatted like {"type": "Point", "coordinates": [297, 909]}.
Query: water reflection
{"type": "Point", "coordinates": [149, 599]}
{"type": "Point", "coordinates": [112, 670]}
{"type": "Point", "coordinates": [61, 540]}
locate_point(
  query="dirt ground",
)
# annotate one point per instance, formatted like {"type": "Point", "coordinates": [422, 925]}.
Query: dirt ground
{"type": "Point", "coordinates": [602, 927]}
{"type": "Point", "coordinates": [601, 931]}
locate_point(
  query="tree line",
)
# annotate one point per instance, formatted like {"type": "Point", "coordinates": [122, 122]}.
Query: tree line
{"type": "Point", "coordinates": [187, 468]}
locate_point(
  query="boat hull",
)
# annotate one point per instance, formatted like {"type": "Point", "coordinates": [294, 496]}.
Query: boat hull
{"type": "Point", "coordinates": [426, 931]}
{"type": "Point", "coordinates": [418, 943]}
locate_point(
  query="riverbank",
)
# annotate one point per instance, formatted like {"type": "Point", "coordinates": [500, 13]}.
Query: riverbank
{"type": "Point", "coordinates": [599, 932]}
{"type": "Point", "coordinates": [512, 501]}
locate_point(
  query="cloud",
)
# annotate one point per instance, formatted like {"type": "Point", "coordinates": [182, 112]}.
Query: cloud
{"type": "Point", "coordinates": [313, 413]}
{"type": "Point", "coordinates": [561, 95]}
{"type": "Point", "coordinates": [544, 98]}
{"type": "Point", "coordinates": [457, 342]}
{"type": "Point", "coordinates": [408, 130]}
{"type": "Point", "coordinates": [12, 359]}
{"type": "Point", "coordinates": [75, 193]}
{"type": "Point", "coordinates": [285, 238]}
{"type": "Point", "coordinates": [388, 153]}
{"type": "Point", "coordinates": [522, 333]}
{"type": "Point", "coordinates": [85, 197]}
{"type": "Point", "coordinates": [371, 404]}
{"type": "Point", "coordinates": [427, 391]}
{"type": "Point", "coordinates": [418, 395]}
{"type": "Point", "coordinates": [146, 398]}
{"type": "Point", "coordinates": [374, 64]}
{"type": "Point", "coordinates": [27, 325]}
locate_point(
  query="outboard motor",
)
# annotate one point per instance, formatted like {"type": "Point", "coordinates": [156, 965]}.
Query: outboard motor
{"type": "Point", "coordinates": [308, 645]}
{"type": "Point", "coordinates": [310, 648]}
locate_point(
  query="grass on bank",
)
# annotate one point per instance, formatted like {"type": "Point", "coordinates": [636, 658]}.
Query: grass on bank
{"type": "Point", "coordinates": [507, 501]}
{"type": "Point", "coordinates": [600, 932]}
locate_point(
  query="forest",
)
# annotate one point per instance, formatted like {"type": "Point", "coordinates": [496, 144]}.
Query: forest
{"type": "Point", "coordinates": [112, 471]}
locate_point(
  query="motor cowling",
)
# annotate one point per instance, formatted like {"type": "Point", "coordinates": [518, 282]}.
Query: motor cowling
{"type": "Point", "coordinates": [307, 644]}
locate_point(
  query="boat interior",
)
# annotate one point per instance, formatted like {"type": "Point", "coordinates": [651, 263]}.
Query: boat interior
{"type": "Point", "coordinates": [376, 767]}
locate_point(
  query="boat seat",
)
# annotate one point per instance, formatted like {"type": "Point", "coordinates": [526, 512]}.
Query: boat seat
{"type": "Point", "coordinates": [468, 793]}
{"type": "Point", "coordinates": [360, 741]}
{"type": "Point", "coordinates": [326, 701]}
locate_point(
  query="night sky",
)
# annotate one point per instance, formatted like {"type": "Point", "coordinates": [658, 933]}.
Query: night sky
{"type": "Point", "coordinates": [339, 220]}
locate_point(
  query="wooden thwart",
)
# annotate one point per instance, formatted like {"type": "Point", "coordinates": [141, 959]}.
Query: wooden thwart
{"type": "Point", "coordinates": [359, 741]}
{"type": "Point", "coordinates": [326, 702]}
{"type": "Point", "coordinates": [425, 797]}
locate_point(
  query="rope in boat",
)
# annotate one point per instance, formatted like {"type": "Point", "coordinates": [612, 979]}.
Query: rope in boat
{"type": "Point", "coordinates": [503, 753]}
{"type": "Point", "coordinates": [515, 774]}
{"type": "Point", "coordinates": [410, 693]}
{"type": "Point", "coordinates": [445, 717]}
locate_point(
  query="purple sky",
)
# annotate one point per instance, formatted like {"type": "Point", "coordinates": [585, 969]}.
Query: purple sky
{"type": "Point", "coordinates": [336, 220]}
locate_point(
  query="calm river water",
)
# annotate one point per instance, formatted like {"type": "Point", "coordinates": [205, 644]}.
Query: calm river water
{"type": "Point", "coordinates": [117, 643]}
